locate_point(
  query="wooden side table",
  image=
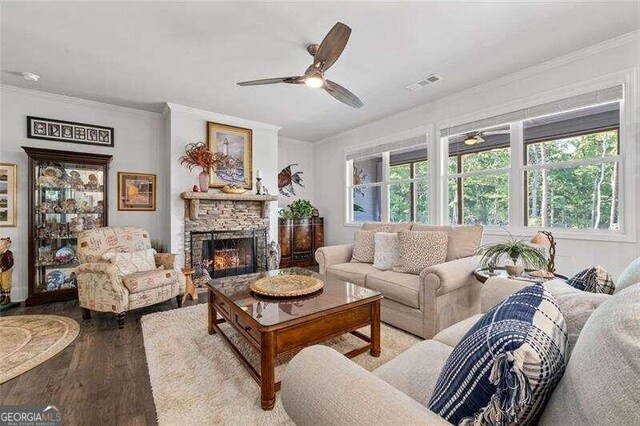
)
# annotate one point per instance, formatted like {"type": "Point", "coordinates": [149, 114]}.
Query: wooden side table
{"type": "Point", "coordinates": [190, 288]}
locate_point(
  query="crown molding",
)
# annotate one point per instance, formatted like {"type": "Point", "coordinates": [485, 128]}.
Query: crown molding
{"type": "Point", "coordinates": [76, 101]}
{"type": "Point", "coordinates": [293, 141]}
{"type": "Point", "coordinates": [633, 36]}
{"type": "Point", "coordinates": [222, 118]}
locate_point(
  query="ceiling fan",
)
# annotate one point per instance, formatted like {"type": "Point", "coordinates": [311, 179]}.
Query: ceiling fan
{"type": "Point", "coordinates": [478, 137]}
{"type": "Point", "coordinates": [324, 56]}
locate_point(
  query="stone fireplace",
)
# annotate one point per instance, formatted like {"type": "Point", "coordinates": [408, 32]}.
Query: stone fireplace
{"type": "Point", "coordinates": [225, 234]}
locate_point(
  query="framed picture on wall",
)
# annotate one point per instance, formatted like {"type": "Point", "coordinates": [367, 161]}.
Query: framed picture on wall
{"type": "Point", "coordinates": [136, 191]}
{"type": "Point", "coordinates": [233, 147]}
{"type": "Point", "coordinates": [8, 194]}
{"type": "Point", "coordinates": [68, 131]}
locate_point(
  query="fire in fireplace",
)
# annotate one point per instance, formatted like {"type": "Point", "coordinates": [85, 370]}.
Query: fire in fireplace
{"type": "Point", "coordinates": [226, 258]}
{"type": "Point", "coordinates": [218, 254]}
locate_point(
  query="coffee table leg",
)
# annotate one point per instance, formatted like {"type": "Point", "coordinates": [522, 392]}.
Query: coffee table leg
{"type": "Point", "coordinates": [212, 314]}
{"type": "Point", "coordinates": [375, 329]}
{"type": "Point", "coordinates": [267, 371]}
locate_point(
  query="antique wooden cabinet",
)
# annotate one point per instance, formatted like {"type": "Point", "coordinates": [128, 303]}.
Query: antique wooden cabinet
{"type": "Point", "coordinates": [67, 194]}
{"type": "Point", "coordinates": [299, 239]}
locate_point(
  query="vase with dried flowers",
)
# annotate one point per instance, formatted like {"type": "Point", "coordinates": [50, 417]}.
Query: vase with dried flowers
{"type": "Point", "coordinates": [198, 155]}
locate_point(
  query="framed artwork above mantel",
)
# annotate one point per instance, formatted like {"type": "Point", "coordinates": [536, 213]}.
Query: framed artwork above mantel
{"type": "Point", "coordinates": [233, 147]}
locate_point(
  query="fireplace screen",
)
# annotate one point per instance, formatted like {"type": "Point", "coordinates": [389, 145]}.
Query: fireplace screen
{"type": "Point", "coordinates": [218, 254]}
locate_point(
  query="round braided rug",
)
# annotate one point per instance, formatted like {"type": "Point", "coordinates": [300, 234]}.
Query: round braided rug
{"type": "Point", "coordinates": [30, 340]}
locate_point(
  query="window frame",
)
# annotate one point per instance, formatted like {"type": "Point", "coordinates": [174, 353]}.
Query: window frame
{"type": "Point", "coordinates": [608, 159]}
{"type": "Point", "coordinates": [413, 180]}
{"type": "Point", "coordinates": [628, 161]}
{"type": "Point", "coordinates": [460, 175]}
{"type": "Point", "coordinates": [424, 132]}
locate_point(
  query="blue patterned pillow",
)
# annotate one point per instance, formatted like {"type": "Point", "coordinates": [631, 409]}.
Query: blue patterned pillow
{"type": "Point", "coordinates": [506, 366]}
{"type": "Point", "coordinates": [593, 280]}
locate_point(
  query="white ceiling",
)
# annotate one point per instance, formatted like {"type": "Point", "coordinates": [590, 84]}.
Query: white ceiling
{"type": "Point", "coordinates": [142, 54]}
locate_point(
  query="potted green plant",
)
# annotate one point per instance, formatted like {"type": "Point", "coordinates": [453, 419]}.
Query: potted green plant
{"type": "Point", "coordinates": [299, 209]}
{"type": "Point", "coordinates": [516, 250]}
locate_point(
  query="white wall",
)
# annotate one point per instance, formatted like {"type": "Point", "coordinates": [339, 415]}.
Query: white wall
{"type": "Point", "coordinates": [292, 151]}
{"type": "Point", "coordinates": [606, 58]}
{"type": "Point", "coordinates": [190, 125]}
{"type": "Point", "coordinates": [138, 148]}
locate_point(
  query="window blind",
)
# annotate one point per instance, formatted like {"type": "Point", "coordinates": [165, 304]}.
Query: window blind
{"type": "Point", "coordinates": [416, 141]}
{"type": "Point", "coordinates": [610, 94]}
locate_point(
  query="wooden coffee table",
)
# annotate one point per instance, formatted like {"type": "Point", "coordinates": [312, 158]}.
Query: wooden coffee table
{"type": "Point", "coordinates": [277, 327]}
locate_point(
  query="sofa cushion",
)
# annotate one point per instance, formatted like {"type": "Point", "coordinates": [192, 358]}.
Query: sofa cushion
{"type": "Point", "coordinates": [415, 371]}
{"type": "Point", "coordinates": [147, 280]}
{"type": "Point", "coordinates": [600, 385]}
{"type": "Point", "coordinates": [130, 262]}
{"type": "Point", "coordinates": [452, 335]}
{"type": "Point", "coordinates": [506, 366]}
{"type": "Point", "coordinates": [594, 280]}
{"type": "Point", "coordinates": [463, 241]}
{"type": "Point", "coordinates": [402, 288]}
{"type": "Point", "coordinates": [386, 250]}
{"type": "Point", "coordinates": [387, 226]}
{"type": "Point", "coordinates": [630, 275]}
{"type": "Point", "coordinates": [419, 250]}
{"type": "Point", "coordinates": [364, 244]}
{"type": "Point", "coordinates": [576, 306]}
{"type": "Point", "coordinates": [351, 272]}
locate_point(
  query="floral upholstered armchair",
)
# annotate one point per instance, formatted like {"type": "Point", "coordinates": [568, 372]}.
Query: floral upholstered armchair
{"type": "Point", "coordinates": [119, 271]}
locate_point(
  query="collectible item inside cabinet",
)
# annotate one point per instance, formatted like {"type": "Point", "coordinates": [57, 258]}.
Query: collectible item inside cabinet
{"type": "Point", "coordinates": [69, 195]}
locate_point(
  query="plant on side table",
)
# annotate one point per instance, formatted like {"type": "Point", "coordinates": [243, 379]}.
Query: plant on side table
{"type": "Point", "coordinates": [516, 250]}
{"type": "Point", "coordinates": [299, 209]}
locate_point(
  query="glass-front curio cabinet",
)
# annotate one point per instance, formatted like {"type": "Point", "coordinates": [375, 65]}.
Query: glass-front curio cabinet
{"type": "Point", "coordinates": [68, 194]}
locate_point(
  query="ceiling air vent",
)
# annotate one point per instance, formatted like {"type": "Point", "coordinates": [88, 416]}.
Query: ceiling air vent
{"type": "Point", "coordinates": [431, 78]}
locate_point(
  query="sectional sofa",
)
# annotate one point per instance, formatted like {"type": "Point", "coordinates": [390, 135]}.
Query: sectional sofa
{"type": "Point", "coordinates": [423, 304]}
{"type": "Point", "coordinates": [599, 385]}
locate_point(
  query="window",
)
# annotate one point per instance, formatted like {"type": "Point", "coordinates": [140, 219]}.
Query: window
{"type": "Point", "coordinates": [390, 185]}
{"type": "Point", "coordinates": [553, 165]}
{"type": "Point", "coordinates": [408, 175]}
{"type": "Point", "coordinates": [366, 190]}
{"type": "Point", "coordinates": [478, 186]}
{"type": "Point", "coordinates": [572, 169]}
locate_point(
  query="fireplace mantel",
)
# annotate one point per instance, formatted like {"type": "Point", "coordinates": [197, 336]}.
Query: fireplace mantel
{"type": "Point", "coordinates": [193, 200]}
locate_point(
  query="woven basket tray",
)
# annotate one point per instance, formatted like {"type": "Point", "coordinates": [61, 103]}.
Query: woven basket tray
{"type": "Point", "coordinates": [286, 285]}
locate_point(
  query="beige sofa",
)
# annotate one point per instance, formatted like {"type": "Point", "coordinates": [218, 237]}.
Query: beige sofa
{"type": "Point", "coordinates": [599, 386]}
{"type": "Point", "coordinates": [423, 304]}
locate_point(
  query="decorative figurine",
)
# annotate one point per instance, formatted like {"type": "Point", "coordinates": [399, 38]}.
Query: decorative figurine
{"type": "Point", "coordinates": [273, 257]}
{"type": "Point", "coordinates": [6, 270]}
{"type": "Point", "coordinates": [195, 188]}
{"type": "Point", "coordinates": [315, 212]}
{"type": "Point", "coordinates": [258, 182]}
{"type": "Point", "coordinates": [93, 182]}
{"type": "Point", "coordinates": [51, 177]}
{"type": "Point", "coordinates": [74, 180]}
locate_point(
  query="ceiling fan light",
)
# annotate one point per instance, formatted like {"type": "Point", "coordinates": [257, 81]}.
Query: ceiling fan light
{"type": "Point", "coordinates": [314, 81]}
{"type": "Point", "coordinates": [471, 140]}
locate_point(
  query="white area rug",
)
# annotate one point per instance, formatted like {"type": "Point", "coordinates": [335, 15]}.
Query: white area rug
{"type": "Point", "coordinates": [196, 379]}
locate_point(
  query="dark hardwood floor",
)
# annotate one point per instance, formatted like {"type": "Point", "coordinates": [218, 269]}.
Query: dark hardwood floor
{"type": "Point", "coordinates": [101, 378]}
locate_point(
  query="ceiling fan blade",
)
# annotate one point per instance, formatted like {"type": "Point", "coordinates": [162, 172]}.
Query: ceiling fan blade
{"type": "Point", "coordinates": [342, 94]}
{"type": "Point", "coordinates": [332, 45]}
{"type": "Point", "coordinates": [496, 132]}
{"type": "Point", "coordinates": [292, 80]}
